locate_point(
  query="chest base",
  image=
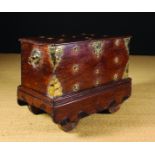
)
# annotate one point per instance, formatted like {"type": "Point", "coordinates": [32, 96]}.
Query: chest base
{"type": "Point", "coordinates": [67, 110]}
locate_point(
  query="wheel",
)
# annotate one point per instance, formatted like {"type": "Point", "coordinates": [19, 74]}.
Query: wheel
{"type": "Point", "coordinates": [35, 110]}
{"type": "Point", "coordinates": [21, 103]}
{"type": "Point", "coordinates": [69, 126]}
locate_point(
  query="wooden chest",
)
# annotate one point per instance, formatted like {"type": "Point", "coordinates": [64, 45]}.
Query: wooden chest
{"type": "Point", "coordinates": [72, 77]}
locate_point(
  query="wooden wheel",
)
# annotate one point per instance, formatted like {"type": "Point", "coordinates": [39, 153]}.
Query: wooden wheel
{"type": "Point", "coordinates": [69, 126]}
{"type": "Point", "coordinates": [35, 110]}
{"type": "Point", "coordinates": [21, 103]}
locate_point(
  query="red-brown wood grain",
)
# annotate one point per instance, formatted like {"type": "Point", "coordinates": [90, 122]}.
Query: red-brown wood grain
{"type": "Point", "coordinates": [38, 78]}
{"type": "Point", "coordinates": [35, 78]}
{"type": "Point", "coordinates": [100, 77]}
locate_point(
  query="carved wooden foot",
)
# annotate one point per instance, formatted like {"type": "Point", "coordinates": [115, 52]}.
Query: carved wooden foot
{"type": "Point", "coordinates": [68, 126]}
{"type": "Point", "coordinates": [21, 103]}
{"type": "Point", "coordinates": [113, 107]}
{"type": "Point", "coordinates": [35, 110]}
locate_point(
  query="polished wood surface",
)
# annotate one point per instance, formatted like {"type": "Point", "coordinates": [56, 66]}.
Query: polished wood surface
{"type": "Point", "coordinates": [135, 121]}
{"type": "Point", "coordinates": [37, 79]}
{"type": "Point", "coordinates": [100, 99]}
{"type": "Point", "coordinates": [71, 108]}
{"type": "Point", "coordinates": [92, 69]}
{"type": "Point", "coordinates": [57, 70]}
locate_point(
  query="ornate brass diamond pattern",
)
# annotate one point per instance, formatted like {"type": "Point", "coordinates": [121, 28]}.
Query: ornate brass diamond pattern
{"type": "Point", "coordinates": [56, 55]}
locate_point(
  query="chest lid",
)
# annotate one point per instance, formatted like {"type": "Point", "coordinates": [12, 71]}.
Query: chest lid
{"type": "Point", "coordinates": [65, 39]}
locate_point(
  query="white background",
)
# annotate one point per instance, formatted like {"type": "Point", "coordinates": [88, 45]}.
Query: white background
{"type": "Point", "coordinates": [76, 148]}
{"type": "Point", "coordinates": [77, 5]}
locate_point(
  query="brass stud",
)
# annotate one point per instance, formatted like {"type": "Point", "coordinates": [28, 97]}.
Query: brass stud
{"type": "Point", "coordinates": [75, 50]}
{"type": "Point", "coordinates": [76, 87]}
{"type": "Point", "coordinates": [97, 71]}
{"type": "Point", "coordinates": [117, 42]}
{"type": "Point", "coordinates": [116, 60]}
{"type": "Point", "coordinates": [97, 82]}
{"type": "Point", "coordinates": [75, 68]}
{"type": "Point", "coordinates": [115, 77]}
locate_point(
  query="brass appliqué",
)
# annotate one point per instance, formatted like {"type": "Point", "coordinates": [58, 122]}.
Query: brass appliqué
{"type": "Point", "coordinates": [34, 58]}
{"type": "Point", "coordinates": [126, 71]}
{"type": "Point", "coordinates": [126, 42]}
{"type": "Point", "coordinates": [97, 48]}
{"type": "Point", "coordinates": [56, 55]}
{"type": "Point", "coordinates": [55, 88]}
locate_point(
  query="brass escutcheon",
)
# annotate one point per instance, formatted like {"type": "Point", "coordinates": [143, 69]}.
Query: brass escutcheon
{"type": "Point", "coordinates": [35, 57]}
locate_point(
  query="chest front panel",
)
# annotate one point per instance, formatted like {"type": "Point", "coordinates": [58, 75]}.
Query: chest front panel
{"type": "Point", "coordinates": [83, 65]}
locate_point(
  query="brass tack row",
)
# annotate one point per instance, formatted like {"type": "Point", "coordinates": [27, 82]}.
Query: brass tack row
{"type": "Point", "coordinates": [75, 67]}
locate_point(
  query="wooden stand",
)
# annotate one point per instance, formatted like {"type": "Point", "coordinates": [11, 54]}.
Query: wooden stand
{"type": "Point", "coordinates": [67, 110]}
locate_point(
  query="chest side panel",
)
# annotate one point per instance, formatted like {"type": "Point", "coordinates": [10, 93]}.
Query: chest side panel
{"type": "Point", "coordinates": [36, 69]}
{"type": "Point", "coordinates": [88, 64]}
